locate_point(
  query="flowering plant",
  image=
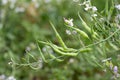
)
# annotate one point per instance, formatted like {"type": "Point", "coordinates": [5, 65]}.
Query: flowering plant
{"type": "Point", "coordinates": [99, 39]}
{"type": "Point", "coordinates": [81, 44]}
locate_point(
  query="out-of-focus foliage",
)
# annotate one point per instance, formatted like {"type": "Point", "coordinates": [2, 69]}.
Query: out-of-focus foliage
{"type": "Point", "coordinates": [22, 22]}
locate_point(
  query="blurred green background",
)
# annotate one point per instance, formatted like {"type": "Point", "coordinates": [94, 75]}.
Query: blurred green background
{"type": "Point", "coordinates": [22, 22]}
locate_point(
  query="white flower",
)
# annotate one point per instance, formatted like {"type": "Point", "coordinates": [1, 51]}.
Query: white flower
{"type": "Point", "coordinates": [68, 32]}
{"type": "Point", "coordinates": [12, 3]}
{"type": "Point", "coordinates": [11, 78]}
{"type": "Point", "coordinates": [85, 3]}
{"type": "Point", "coordinates": [28, 48]}
{"type": "Point", "coordinates": [118, 26]}
{"type": "Point", "coordinates": [10, 63]}
{"type": "Point", "coordinates": [71, 60]}
{"type": "Point", "coordinates": [88, 6]}
{"type": "Point", "coordinates": [44, 49]}
{"type": "Point", "coordinates": [117, 6]}
{"type": "Point", "coordinates": [94, 9]}
{"type": "Point", "coordinates": [94, 15]}
{"type": "Point", "coordinates": [19, 9]}
{"type": "Point", "coordinates": [86, 9]}
{"type": "Point", "coordinates": [69, 22]}
{"type": "Point", "coordinates": [37, 5]}
{"type": "Point", "coordinates": [12, 6]}
{"type": "Point", "coordinates": [2, 77]}
{"type": "Point", "coordinates": [4, 2]}
{"type": "Point", "coordinates": [101, 19]}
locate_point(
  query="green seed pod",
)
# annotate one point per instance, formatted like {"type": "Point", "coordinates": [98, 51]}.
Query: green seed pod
{"type": "Point", "coordinates": [94, 34]}
{"type": "Point", "coordinates": [58, 37]}
{"type": "Point", "coordinates": [42, 54]}
{"type": "Point", "coordinates": [84, 24]}
{"type": "Point", "coordinates": [82, 33]}
{"type": "Point", "coordinates": [64, 50]}
{"type": "Point", "coordinates": [63, 53]}
{"type": "Point", "coordinates": [85, 50]}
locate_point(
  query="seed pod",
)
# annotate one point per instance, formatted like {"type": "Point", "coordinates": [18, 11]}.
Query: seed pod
{"type": "Point", "coordinates": [42, 54]}
{"type": "Point", "coordinates": [94, 34]}
{"type": "Point", "coordinates": [84, 24]}
{"type": "Point", "coordinates": [64, 50]}
{"type": "Point", "coordinates": [82, 33]}
{"type": "Point", "coordinates": [58, 37]}
{"type": "Point", "coordinates": [85, 50]}
{"type": "Point", "coordinates": [63, 53]}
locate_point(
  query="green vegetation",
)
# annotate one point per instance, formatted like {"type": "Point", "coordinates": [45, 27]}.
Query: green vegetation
{"type": "Point", "coordinates": [59, 39]}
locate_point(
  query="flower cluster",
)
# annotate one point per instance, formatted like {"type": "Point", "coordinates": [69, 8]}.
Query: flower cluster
{"type": "Point", "coordinates": [117, 6]}
{"type": "Point", "coordinates": [19, 9]}
{"type": "Point", "coordinates": [88, 7]}
{"type": "Point", "coordinates": [115, 72]}
{"type": "Point", "coordinates": [112, 68]}
{"type": "Point", "coordinates": [69, 22]}
{"type": "Point", "coordinates": [69, 32]}
{"type": "Point", "coordinates": [12, 3]}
